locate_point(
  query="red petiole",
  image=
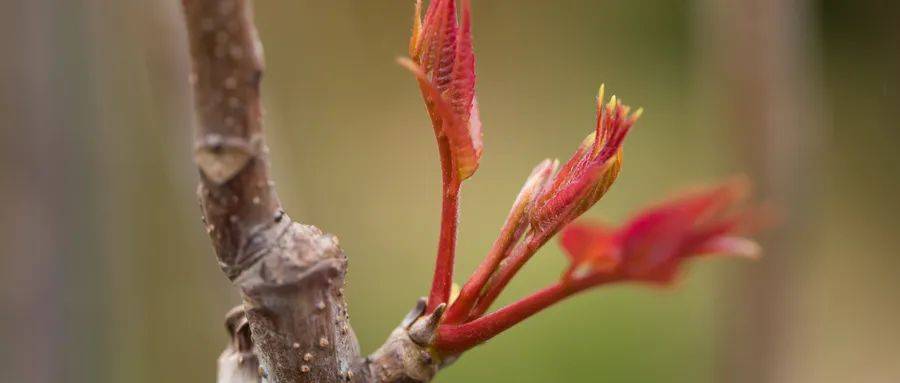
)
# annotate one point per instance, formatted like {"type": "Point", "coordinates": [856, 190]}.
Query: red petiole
{"type": "Point", "coordinates": [470, 292]}
{"type": "Point", "coordinates": [442, 281]}
{"type": "Point", "coordinates": [456, 338]}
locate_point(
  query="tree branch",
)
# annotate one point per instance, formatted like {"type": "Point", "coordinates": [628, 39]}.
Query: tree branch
{"type": "Point", "coordinates": [291, 276]}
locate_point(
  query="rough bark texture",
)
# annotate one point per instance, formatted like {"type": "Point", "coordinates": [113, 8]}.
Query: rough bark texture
{"type": "Point", "coordinates": [290, 275]}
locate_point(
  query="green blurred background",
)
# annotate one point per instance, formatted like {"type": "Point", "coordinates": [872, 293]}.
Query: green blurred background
{"type": "Point", "coordinates": [107, 274]}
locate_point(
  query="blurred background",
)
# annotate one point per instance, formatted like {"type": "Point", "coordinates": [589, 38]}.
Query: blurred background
{"type": "Point", "coordinates": [106, 274]}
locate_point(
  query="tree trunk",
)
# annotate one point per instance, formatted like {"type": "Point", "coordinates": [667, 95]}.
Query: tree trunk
{"type": "Point", "coordinates": [759, 52]}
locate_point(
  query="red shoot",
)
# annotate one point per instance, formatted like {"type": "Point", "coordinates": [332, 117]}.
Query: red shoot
{"type": "Point", "coordinates": [443, 61]}
{"type": "Point", "coordinates": [581, 182]}
{"type": "Point", "coordinates": [649, 248]}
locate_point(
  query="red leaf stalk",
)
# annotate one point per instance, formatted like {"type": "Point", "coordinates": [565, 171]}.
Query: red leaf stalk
{"type": "Point", "coordinates": [454, 339]}
{"type": "Point", "coordinates": [512, 230]}
{"type": "Point", "coordinates": [442, 281]}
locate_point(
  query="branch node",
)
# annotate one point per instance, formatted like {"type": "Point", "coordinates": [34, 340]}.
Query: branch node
{"type": "Point", "coordinates": [220, 157]}
{"type": "Point", "coordinates": [415, 313]}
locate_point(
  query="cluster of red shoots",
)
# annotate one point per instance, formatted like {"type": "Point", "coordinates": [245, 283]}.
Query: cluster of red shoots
{"type": "Point", "coordinates": [648, 248]}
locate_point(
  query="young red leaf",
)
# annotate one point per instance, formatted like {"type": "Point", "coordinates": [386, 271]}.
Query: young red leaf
{"type": "Point", "coordinates": [591, 171]}
{"type": "Point", "coordinates": [654, 244]}
{"type": "Point", "coordinates": [442, 51]}
{"type": "Point", "coordinates": [590, 248]}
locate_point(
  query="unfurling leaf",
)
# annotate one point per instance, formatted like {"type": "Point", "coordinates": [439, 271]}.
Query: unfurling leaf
{"type": "Point", "coordinates": [591, 171]}
{"type": "Point", "coordinates": [443, 60]}
{"type": "Point", "coordinates": [652, 246]}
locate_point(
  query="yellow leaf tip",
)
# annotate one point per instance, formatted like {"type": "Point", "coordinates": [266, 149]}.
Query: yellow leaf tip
{"type": "Point", "coordinates": [637, 113]}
